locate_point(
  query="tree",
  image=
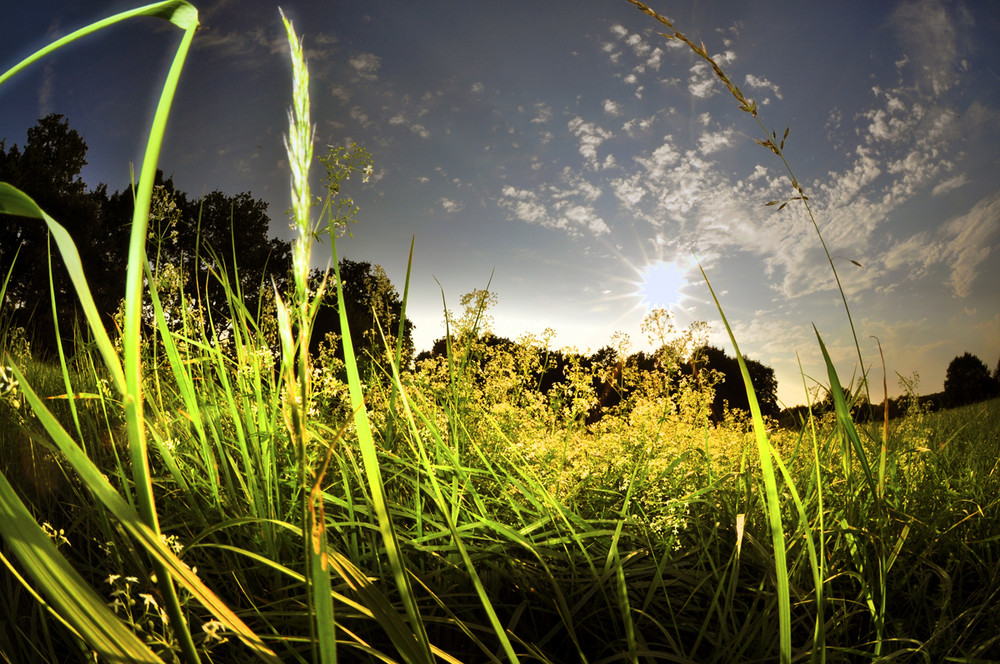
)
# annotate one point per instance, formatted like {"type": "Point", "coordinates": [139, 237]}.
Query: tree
{"type": "Point", "coordinates": [967, 380]}
{"type": "Point", "coordinates": [731, 389]}
{"type": "Point", "coordinates": [372, 304]}
{"type": "Point", "coordinates": [48, 170]}
{"type": "Point", "coordinates": [204, 239]}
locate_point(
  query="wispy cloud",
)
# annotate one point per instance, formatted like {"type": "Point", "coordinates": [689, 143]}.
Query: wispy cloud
{"type": "Point", "coordinates": [930, 31]}
{"type": "Point", "coordinates": [450, 205]}
{"type": "Point", "coordinates": [702, 82]}
{"type": "Point", "coordinates": [366, 66]}
{"type": "Point", "coordinates": [969, 241]}
{"type": "Point", "coordinates": [543, 113]}
{"type": "Point", "coordinates": [567, 205]}
{"type": "Point", "coordinates": [400, 119]}
{"type": "Point", "coordinates": [760, 83]}
{"type": "Point", "coordinates": [950, 184]}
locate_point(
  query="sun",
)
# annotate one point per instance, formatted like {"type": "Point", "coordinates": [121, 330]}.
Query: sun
{"type": "Point", "coordinates": [661, 284]}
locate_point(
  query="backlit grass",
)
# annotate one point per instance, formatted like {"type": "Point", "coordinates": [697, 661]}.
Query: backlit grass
{"type": "Point", "coordinates": [188, 491]}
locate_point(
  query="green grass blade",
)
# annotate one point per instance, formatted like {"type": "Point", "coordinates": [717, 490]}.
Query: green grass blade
{"type": "Point", "coordinates": [772, 504]}
{"type": "Point", "coordinates": [16, 202]}
{"type": "Point", "coordinates": [75, 602]}
{"type": "Point", "coordinates": [150, 540]}
{"type": "Point", "coordinates": [179, 12]}
{"type": "Point", "coordinates": [844, 417]}
{"type": "Point", "coordinates": [187, 18]}
{"type": "Point", "coordinates": [369, 456]}
{"type": "Point", "coordinates": [450, 522]}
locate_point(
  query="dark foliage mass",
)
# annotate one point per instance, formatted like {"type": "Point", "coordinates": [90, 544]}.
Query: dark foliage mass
{"type": "Point", "coordinates": [968, 380]}
{"type": "Point", "coordinates": [374, 310]}
{"type": "Point", "coordinates": [213, 240]}
{"type": "Point", "coordinates": [731, 389]}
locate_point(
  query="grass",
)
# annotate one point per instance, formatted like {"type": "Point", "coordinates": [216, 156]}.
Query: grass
{"type": "Point", "coordinates": [181, 494]}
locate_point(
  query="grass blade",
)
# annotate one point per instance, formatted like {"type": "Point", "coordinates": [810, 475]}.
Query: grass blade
{"type": "Point", "coordinates": [369, 456]}
{"type": "Point", "coordinates": [75, 602]}
{"type": "Point", "coordinates": [771, 503]}
{"type": "Point", "coordinates": [179, 12]}
{"type": "Point", "coordinates": [844, 417]}
{"type": "Point", "coordinates": [150, 539]}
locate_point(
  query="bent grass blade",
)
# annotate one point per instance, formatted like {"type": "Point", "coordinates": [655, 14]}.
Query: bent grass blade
{"type": "Point", "coordinates": [128, 379]}
{"type": "Point", "coordinates": [102, 490]}
{"type": "Point", "coordinates": [74, 601]}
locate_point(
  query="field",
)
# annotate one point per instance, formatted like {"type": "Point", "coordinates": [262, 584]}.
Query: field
{"type": "Point", "coordinates": [173, 493]}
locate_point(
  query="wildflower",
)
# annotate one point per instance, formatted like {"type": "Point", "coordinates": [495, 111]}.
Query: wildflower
{"type": "Point", "coordinates": [149, 600]}
{"type": "Point", "coordinates": [112, 578]}
{"type": "Point", "coordinates": [8, 383]}
{"type": "Point", "coordinates": [211, 629]}
{"type": "Point", "coordinates": [367, 173]}
{"type": "Point", "coordinates": [58, 536]}
{"type": "Point", "coordinates": [172, 540]}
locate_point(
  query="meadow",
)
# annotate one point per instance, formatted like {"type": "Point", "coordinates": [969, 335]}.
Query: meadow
{"type": "Point", "coordinates": [183, 490]}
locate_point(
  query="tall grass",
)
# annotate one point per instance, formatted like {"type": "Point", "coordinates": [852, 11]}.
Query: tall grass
{"type": "Point", "coordinates": [200, 490]}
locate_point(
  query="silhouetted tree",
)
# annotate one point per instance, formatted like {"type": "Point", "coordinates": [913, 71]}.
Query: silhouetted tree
{"type": "Point", "coordinates": [47, 170]}
{"type": "Point", "coordinates": [968, 380]}
{"type": "Point", "coordinates": [206, 238]}
{"type": "Point", "coordinates": [369, 296]}
{"type": "Point", "coordinates": [731, 388]}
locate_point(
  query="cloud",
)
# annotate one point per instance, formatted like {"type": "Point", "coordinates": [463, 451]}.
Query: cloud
{"type": "Point", "coordinates": [710, 142]}
{"type": "Point", "coordinates": [341, 93]}
{"type": "Point", "coordinates": [543, 113]}
{"type": "Point", "coordinates": [46, 90]}
{"type": "Point", "coordinates": [591, 136]}
{"type": "Point", "coordinates": [643, 55]}
{"type": "Point", "coordinates": [366, 66]}
{"type": "Point", "coordinates": [567, 206]}
{"type": "Point", "coordinates": [477, 88]}
{"type": "Point", "coordinates": [612, 107]}
{"type": "Point", "coordinates": [638, 126]}
{"type": "Point", "coordinates": [702, 80]}
{"type": "Point", "coordinates": [950, 184]}
{"type": "Point", "coordinates": [930, 30]}
{"type": "Point", "coordinates": [400, 119]}
{"type": "Point", "coordinates": [358, 114]}
{"type": "Point", "coordinates": [763, 84]}
{"type": "Point", "coordinates": [450, 205]}
{"type": "Point", "coordinates": [969, 240]}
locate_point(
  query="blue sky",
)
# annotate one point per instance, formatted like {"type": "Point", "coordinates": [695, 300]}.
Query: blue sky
{"type": "Point", "coordinates": [569, 150]}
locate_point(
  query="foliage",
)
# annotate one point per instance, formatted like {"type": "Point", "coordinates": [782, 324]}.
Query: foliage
{"type": "Point", "coordinates": [374, 311]}
{"type": "Point", "coordinates": [967, 380]}
{"type": "Point", "coordinates": [198, 237]}
{"type": "Point", "coordinates": [730, 391]}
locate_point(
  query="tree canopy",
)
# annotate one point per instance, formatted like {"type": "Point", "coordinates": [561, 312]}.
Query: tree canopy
{"type": "Point", "coordinates": [968, 380]}
{"type": "Point", "coordinates": [211, 240]}
{"type": "Point", "coordinates": [372, 304]}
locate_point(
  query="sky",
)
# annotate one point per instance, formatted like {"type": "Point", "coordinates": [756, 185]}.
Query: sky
{"type": "Point", "coordinates": [588, 166]}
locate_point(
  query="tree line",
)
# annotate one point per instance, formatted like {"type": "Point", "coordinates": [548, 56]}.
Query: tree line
{"type": "Point", "coordinates": [213, 242]}
{"type": "Point", "coordinates": [219, 241]}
